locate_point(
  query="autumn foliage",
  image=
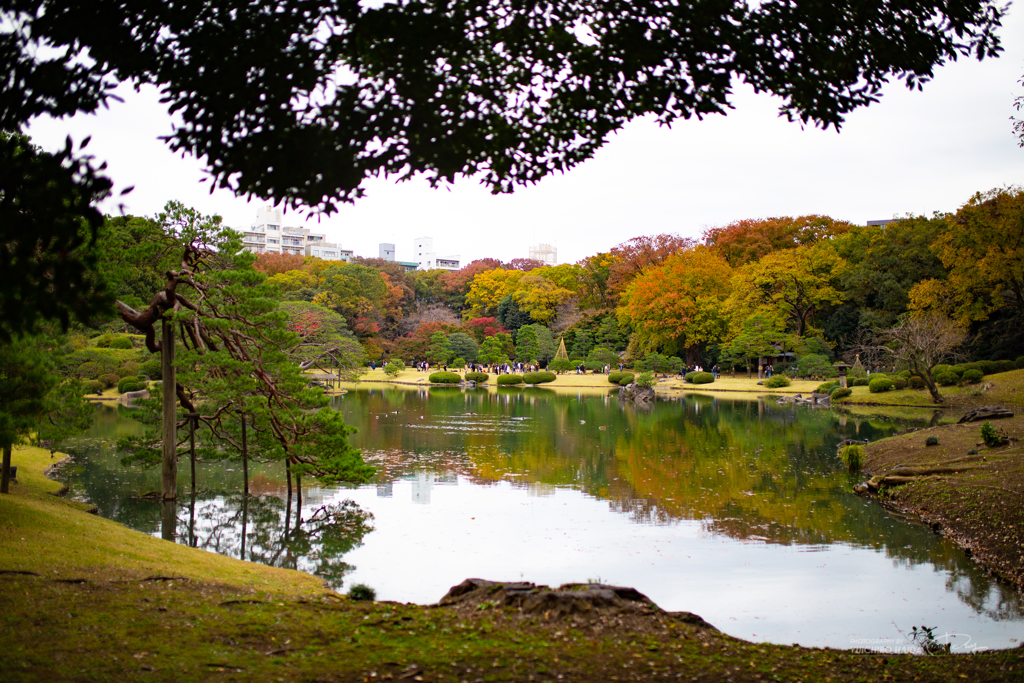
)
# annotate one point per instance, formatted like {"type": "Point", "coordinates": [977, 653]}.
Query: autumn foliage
{"type": "Point", "coordinates": [747, 240]}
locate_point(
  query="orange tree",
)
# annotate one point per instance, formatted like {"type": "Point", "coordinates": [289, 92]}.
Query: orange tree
{"type": "Point", "coordinates": [679, 304]}
{"type": "Point", "coordinates": [747, 240]}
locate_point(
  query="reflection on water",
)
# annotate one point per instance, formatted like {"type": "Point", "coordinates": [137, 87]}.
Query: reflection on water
{"type": "Point", "coordinates": [737, 510]}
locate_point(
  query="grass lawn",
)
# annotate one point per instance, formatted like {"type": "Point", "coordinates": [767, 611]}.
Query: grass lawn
{"type": "Point", "coordinates": [1006, 388]}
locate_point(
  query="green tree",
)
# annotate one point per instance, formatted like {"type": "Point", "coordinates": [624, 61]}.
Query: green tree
{"type": "Point", "coordinates": [463, 346]}
{"type": "Point", "coordinates": [493, 351]}
{"type": "Point", "coordinates": [439, 351]}
{"type": "Point", "coordinates": [27, 374]}
{"type": "Point", "coordinates": [66, 413]}
{"type": "Point", "coordinates": [527, 347]}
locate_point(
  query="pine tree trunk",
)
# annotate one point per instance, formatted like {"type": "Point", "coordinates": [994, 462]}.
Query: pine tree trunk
{"type": "Point", "coordinates": [192, 448]}
{"type": "Point", "coordinates": [245, 463]}
{"type": "Point", "coordinates": [169, 470]}
{"type": "Point", "coordinates": [5, 474]}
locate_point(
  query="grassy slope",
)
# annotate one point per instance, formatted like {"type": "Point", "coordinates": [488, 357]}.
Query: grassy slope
{"type": "Point", "coordinates": [95, 612]}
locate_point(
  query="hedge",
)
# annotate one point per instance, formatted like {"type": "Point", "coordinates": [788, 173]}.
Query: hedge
{"type": "Point", "coordinates": [947, 379]}
{"type": "Point", "coordinates": [616, 377]}
{"type": "Point", "coordinates": [131, 384]}
{"type": "Point", "coordinates": [121, 343]}
{"type": "Point", "coordinates": [776, 382]}
{"type": "Point", "coordinates": [93, 386]}
{"type": "Point", "coordinates": [880, 385]}
{"type": "Point", "coordinates": [916, 383]}
{"type": "Point", "coordinates": [972, 376]}
{"type": "Point", "coordinates": [478, 377]}
{"type": "Point", "coordinates": [899, 383]}
{"type": "Point", "coordinates": [700, 378]}
{"type": "Point", "coordinates": [540, 377]}
{"type": "Point", "coordinates": [861, 382]}
{"type": "Point", "coordinates": [510, 379]}
{"type": "Point", "coordinates": [841, 392]}
{"type": "Point", "coordinates": [827, 387]}
{"type": "Point", "coordinates": [445, 378]}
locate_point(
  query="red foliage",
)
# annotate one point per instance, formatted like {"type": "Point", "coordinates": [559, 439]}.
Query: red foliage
{"type": "Point", "coordinates": [272, 264]}
{"type": "Point", "coordinates": [751, 239]}
{"type": "Point", "coordinates": [457, 282]}
{"type": "Point", "coordinates": [524, 264]}
{"type": "Point", "coordinates": [636, 256]}
{"type": "Point", "coordinates": [306, 324]}
{"type": "Point", "coordinates": [481, 328]}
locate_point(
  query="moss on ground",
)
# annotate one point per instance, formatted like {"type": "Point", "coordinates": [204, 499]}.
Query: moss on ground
{"type": "Point", "coordinates": [85, 599]}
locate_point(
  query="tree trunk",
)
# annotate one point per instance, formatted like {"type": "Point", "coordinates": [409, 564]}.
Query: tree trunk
{"type": "Point", "coordinates": [5, 474]}
{"type": "Point", "coordinates": [245, 462]}
{"type": "Point", "coordinates": [192, 448]}
{"type": "Point", "coordinates": [245, 521]}
{"type": "Point", "coordinates": [169, 472]}
{"type": "Point", "coordinates": [168, 519]}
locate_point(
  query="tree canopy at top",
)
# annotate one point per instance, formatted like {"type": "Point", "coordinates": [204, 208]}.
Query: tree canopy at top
{"type": "Point", "coordinates": [299, 102]}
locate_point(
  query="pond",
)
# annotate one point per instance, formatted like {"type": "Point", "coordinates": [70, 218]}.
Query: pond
{"type": "Point", "coordinates": [737, 510]}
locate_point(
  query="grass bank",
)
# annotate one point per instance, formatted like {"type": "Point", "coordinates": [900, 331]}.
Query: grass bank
{"type": "Point", "coordinates": [85, 599]}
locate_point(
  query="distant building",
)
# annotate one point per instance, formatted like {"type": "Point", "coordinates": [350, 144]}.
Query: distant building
{"type": "Point", "coordinates": [386, 251]}
{"type": "Point", "coordinates": [545, 253]}
{"type": "Point", "coordinates": [427, 259]}
{"type": "Point", "coordinates": [884, 221]}
{"type": "Point", "coordinates": [268, 235]}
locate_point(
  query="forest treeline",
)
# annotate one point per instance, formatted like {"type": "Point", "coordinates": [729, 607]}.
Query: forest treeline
{"type": "Point", "coordinates": [812, 285]}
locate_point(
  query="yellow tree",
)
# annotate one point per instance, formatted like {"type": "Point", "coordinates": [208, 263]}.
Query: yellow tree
{"type": "Point", "coordinates": [679, 302]}
{"type": "Point", "coordinates": [984, 251]}
{"type": "Point", "coordinates": [488, 289]}
{"type": "Point", "coordinates": [794, 282]}
{"type": "Point", "coordinates": [540, 297]}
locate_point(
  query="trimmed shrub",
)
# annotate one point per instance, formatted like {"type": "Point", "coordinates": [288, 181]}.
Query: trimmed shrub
{"type": "Point", "coordinates": [989, 367]}
{"type": "Point", "coordinates": [946, 379]}
{"type": "Point", "coordinates": [931, 441]}
{"type": "Point", "coordinates": [688, 377]}
{"type": "Point", "coordinates": [826, 388]}
{"type": "Point", "coordinates": [904, 375]}
{"type": "Point", "coordinates": [361, 591]}
{"type": "Point", "coordinates": [103, 341]}
{"type": "Point", "coordinates": [152, 368]}
{"type": "Point", "coordinates": [899, 383]}
{"type": "Point", "coordinates": [510, 379]}
{"type": "Point", "coordinates": [944, 367]}
{"type": "Point", "coordinates": [916, 383]}
{"type": "Point", "coordinates": [131, 384]}
{"type": "Point", "coordinates": [841, 392]}
{"type": "Point", "coordinates": [861, 382]}
{"type": "Point", "coordinates": [628, 379]}
{"type": "Point", "coordinates": [561, 365]}
{"type": "Point", "coordinates": [703, 378]}
{"type": "Point", "coordinates": [93, 386]}
{"type": "Point", "coordinates": [110, 380]}
{"type": "Point", "coordinates": [444, 378]}
{"type": "Point", "coordinates": [646, 379]}
{"type": "Point", "coordinates": [122, 343]}
{"type": "Point", "coordinates": [972, 376]}
{"type": "Point", "coordinates": [478, 377]}
{"type": "Point", "coordinates": [616, 377]}
{"type": "Point", "coordinates": [90, 370]}
{"type": "Point", "coordinates": [1005, 365]}
{"type": "Point", "coordinates": [776, 382]}
{"type": "Point", "coordinates": [392, 369]}
{"type": "Point", "coordinates": [541, 377]}
{"type": "Point", "coordinates": [853, 457]}
{"type": "Point", "coordinates": [1019, 363]}
{"type": "Point", "coordinates": [880, 385]}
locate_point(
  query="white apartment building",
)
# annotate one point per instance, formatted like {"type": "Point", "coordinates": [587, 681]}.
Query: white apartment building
{"type": "Point", "coordinates": [269, 235]}
{"type": "Point", "coordinates": [427, 258]}
{"type": "Point", "coordinates": [545, 253]}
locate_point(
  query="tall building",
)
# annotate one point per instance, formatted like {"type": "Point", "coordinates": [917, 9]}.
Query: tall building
{"type": "Point", "coordinates": [386, 251]}
{"type": "Point", "coordinates": [269, 235]}
{"type": "Point", "coordinates": [428, 259]}
{"type": "Point", "coordinates": [545, 253]}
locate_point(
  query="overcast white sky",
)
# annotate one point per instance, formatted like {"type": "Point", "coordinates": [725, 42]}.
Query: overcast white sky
{"type": "Point", "coordinates": [913, 152]}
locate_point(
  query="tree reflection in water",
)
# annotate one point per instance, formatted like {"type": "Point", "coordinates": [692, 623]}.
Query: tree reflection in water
{"type": "Point", "coordinates": [267, 530]}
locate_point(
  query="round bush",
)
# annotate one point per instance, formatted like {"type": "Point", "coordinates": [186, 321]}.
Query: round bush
{"type": "Point", "coordinates": [561, 365]}
{"type": "Point", "coordinates": [989, 367]}
{"type": "Point", "coordinates": [972, 376]}
{"type": "Point", "coordinates": [946, 379]}
{"type": "Point", "coordinates": [646, 379]}
{"type": "Point", "coordinates": [1019, 363]}
{"type": "Point", "coordinates": [931, 441]}
{"type": "Point", "coordinates": [110, 380]}
{"type": "Point", "coordinates": [131, 384]}
{"type": "Point", "coordinates": [459, 363]}
{"type": "Point", "coordinates": [104, 341]}
{"type": "Point", "coordinates": [702, 378]}
{"type": "Point", "coordinates": [152, 368]}
{"type": "Point", "coordinates": [942, 368]}
{"type": "Point", "coordinates": [510, 379]}
{"type": "Point", "coordinates": [916, 383]}
{"type": "Point", "coordinates": [904, 375]}
{"type": "Point", "coordinates": [361, 591]}
{"type": "Point", "coordinates": [541, 377]}
{"type": "Point", "coordinates": [776, 382]}
{"type": "Point", "coordinates": [861, 382]}
{"type": "Point", "coordinates": [93, 386]}
{"type": "Point", "coordinates": [617, 377]}
{"type": "Point", "coordinates": [445, 378]}
{"type": "Point", "coordinates": [121, 343]}
{"type": "Point", "coordinates": [899, 383]}
{"type": "Point", "coordinates": [129, 368]}
{"type": "Point", "coordinates": [627, 380]}
{"type": "Point", "coordinates": [89, 370]}
{"type": "Point", "coordinates": [959, 369]}
{"type": "Point", "coordinates": [879, 385]}
{"type": "Point", "coordinates": [841, 392]}
{"type": "Point", "coordinates": [478, 377]}
{"type": "Point", "coordinates": [1005, 365]}
{"type": "Point", "coordinates": [826, 388]}
{"type": "Point", "coordinates": [688, 377]}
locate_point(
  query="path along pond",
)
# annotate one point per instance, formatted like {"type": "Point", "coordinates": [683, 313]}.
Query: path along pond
{"type": "Point", "coordinates": [737, 510]}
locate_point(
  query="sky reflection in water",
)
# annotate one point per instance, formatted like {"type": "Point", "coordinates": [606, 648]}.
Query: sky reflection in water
{"type": "Point", "coordinates": [735, 510]}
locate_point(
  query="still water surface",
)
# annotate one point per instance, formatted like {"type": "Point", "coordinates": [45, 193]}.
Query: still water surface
{"type": "Point", "coordinates": [736, 510]}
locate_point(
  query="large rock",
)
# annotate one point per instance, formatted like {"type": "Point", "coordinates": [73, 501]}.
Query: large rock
{"type": "Point", "coordinates": [636, 393]}
{"type": "Point", "coordinates": [575, 600]}
{"type": "Point", "coordinates": [985, 413]}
